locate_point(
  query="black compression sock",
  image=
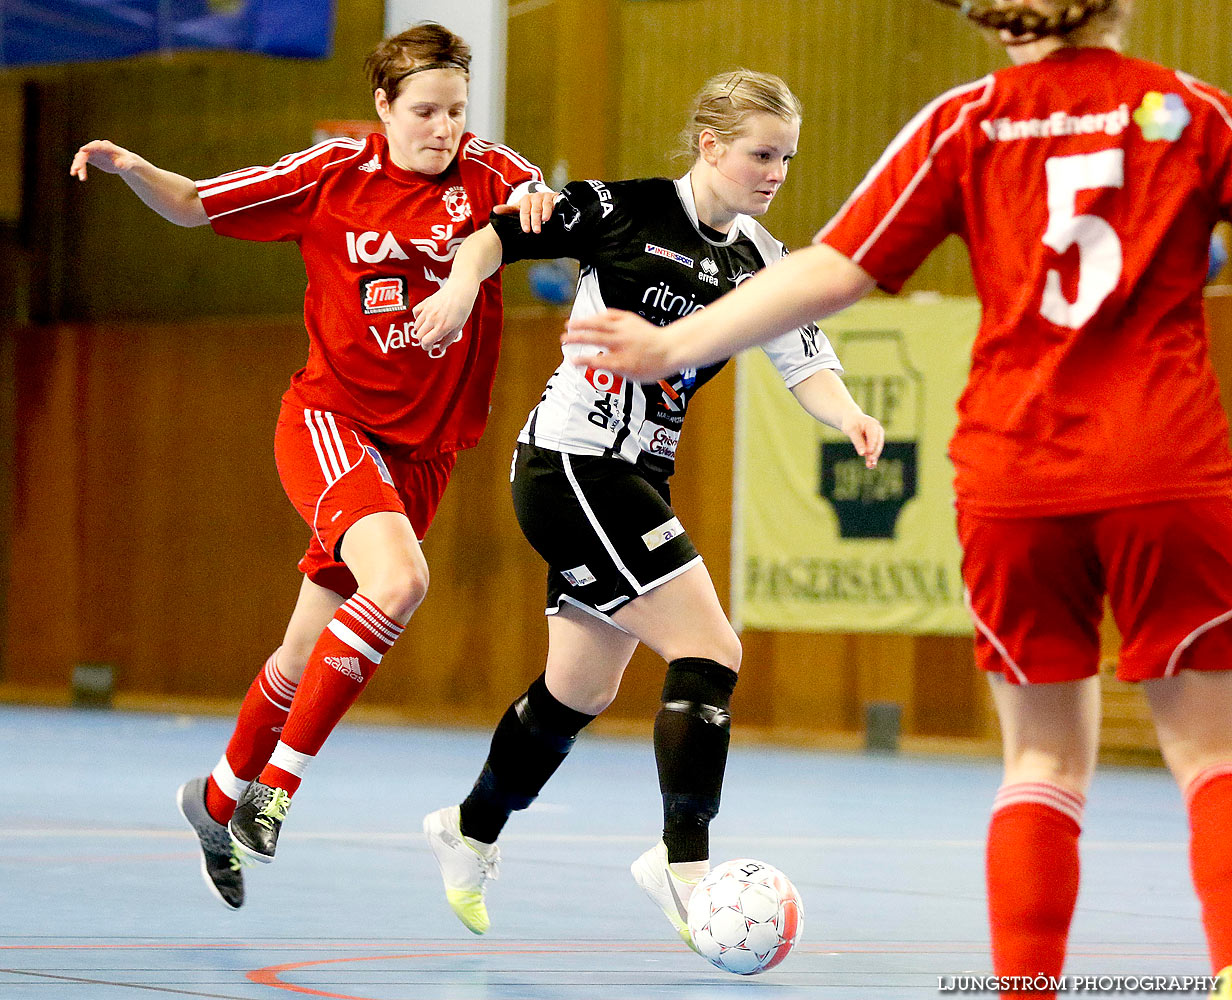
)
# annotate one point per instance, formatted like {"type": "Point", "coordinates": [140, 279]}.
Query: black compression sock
{"type": "Point", "coordinates": [691, 735]}
{"type": "Point", "coordinates": [531, 741]}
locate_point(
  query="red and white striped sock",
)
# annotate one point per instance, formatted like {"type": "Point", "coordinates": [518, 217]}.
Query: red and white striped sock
{"type": "Point", "coordinates": [1032, 871]}
{"type": "Point", "coordinates": [342, 662]}
{"type": "Point", "coordinates": [265, 709]}
{"type": "Point", "coordinates": [1209, 799]}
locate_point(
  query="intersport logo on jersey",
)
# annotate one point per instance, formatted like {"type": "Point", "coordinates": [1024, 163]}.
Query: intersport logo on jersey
{"type": "Point", "coordinates": [1059, 123]}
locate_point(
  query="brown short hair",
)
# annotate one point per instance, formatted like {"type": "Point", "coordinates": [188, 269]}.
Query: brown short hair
{"type": "Point", "coordinates": [427, 45]}
{"type": "Point", "coordinates": [726, 101]}
{"type": "Point", "coordinates": [1027, 24]}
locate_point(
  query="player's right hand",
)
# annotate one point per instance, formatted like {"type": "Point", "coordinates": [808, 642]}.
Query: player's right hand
{"type": "Point", "coordinates": [440, 318]}
{"type": "Point", "coordinates": [622, 342]}
{"type": "Point", "coordinates": [104, 154]}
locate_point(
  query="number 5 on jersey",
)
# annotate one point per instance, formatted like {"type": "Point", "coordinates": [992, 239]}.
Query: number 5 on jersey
{"type": "Point", "coordinates": [1100, 259]}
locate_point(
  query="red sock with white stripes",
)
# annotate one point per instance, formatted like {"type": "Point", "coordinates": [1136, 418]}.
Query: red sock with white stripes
{"type": "Point", "coordinates": [342, 662]}
{"type": "Point", "coordinates": [1032, 873]}
{"type": "Point", "coordinates": [265, 709]}
{"type": "Point", "coordinates": [1209, 798]}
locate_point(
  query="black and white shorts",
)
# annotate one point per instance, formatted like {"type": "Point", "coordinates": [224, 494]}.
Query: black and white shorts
{"type": "Point", "coordinates": [606, 530]}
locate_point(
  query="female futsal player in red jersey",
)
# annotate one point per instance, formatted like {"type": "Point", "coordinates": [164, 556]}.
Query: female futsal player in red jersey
{"type": "Point", "coordinates": [370, 427]}
{"type": "Point", "coordinates": [1091, 454]}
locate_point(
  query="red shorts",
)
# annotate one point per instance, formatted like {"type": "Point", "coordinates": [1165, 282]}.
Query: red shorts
{"type": "Point", "coordinates": [1036, 590]}
{"type": "Point", "coordinates": [335, 474]}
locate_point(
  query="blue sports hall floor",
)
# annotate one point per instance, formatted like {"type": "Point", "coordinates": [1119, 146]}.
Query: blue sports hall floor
{"type": "Point", "coordinates": [101, 896]}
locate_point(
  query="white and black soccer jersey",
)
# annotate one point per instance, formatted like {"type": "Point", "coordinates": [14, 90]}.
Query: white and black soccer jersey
{"type": "Point", "coordinates": [642, 248]}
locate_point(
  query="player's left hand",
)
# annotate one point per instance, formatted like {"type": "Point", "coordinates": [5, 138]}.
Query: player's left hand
{"type": "Point", "coordinates": [867, 435]}
{"type": "Point", "coordinates": [534, 209]}
{"type": "Point", "coordinates": [624, 343]}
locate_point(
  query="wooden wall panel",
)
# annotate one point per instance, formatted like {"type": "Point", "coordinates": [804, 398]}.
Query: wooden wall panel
{"type": "Point", "coordinates": [150, 532]}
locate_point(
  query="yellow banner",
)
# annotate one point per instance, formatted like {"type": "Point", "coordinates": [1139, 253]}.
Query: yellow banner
{"type": "Point", "coordinates": [820, 542]}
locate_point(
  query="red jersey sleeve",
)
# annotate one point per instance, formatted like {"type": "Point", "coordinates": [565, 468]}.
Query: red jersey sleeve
{"type": "Point", "coordinates": [909, 202]}
{"type": "Point", "coordinates": [1219, 140]}
{"type": "Point", "coordinates": [271, 203]}
{"type": "Point", "coordinates": [496, 174]}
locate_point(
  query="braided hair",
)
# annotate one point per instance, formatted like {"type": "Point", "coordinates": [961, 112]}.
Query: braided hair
{"type": "Point", "coordinates": [1025, 23]}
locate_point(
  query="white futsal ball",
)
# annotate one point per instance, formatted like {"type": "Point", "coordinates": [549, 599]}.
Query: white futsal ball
{"type": "Point", "coordinates": [745, 916]}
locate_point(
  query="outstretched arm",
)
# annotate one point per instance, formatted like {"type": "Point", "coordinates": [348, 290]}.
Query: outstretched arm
{"type": "Point", "coordinates": [172, 196]}
{"type": "Point", "coordinates": [824, 395]}
{"type": "Point", "coordinates": [799, 289]}
{"type": "Point", "coordinates": [440, 317]}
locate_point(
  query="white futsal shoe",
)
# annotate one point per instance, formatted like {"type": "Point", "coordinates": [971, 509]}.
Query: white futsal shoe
{"type": "Point", "coordinates": [466, 865]}
{"type": "Point", "coordinates": [669, 892]}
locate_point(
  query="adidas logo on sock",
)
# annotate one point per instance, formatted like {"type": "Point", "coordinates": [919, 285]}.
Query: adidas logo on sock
{"type": "Point", "coordinates": [348, 666]}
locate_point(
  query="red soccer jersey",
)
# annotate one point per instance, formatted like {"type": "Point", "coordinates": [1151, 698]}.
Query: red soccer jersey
{"type": "Point", "coordinates": [1086, 187]}
{"type": "Point", "coordinates": [376, 240]}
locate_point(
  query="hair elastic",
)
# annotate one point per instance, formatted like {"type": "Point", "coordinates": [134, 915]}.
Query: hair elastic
{"type": "Point", "coordinates": [450, 64]}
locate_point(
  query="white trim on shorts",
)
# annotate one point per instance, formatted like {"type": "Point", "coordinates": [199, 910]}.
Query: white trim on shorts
{"type": "Point", "coordinates": [594, 523]}
{"type": "Point", "coordinates": [997, 644]}
{"type": "Point", "coordinates": [323, 445]}
{"type": "Point", "coordinates": [1190, 639]}
{"type": "Point", "coordinates": [574, 602]}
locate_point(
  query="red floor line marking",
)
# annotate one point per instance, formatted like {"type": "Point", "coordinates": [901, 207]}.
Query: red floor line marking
{"type": "Point", "coordinates": [269, 976]}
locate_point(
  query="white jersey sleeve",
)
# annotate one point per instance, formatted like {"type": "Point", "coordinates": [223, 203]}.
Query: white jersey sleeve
{"type": "Point", "coordinates": [799, 353]}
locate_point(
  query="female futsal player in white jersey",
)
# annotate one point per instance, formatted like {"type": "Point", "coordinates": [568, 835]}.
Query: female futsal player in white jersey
{"type": "Point", "coordinates": [590, 481]}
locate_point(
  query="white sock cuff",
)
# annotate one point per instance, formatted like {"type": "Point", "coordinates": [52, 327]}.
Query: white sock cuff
{"type": "Point", "coordinates": [1043, 793]}
{"type": "Point", "coordinates": [366, 611]}
{"type": "Point", "coordinates": [231, 786]}
{"type": "Point", "coordinates": [278, 681]}
{"type": "Point", "coordinates": [354, 641]}
{"type": "Point", "coordinates": [291, 761]}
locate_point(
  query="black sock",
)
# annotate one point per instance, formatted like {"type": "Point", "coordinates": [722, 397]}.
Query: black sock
{"type": "Point", "coordinates": [531, 741]}
{"type": "Point", "coordinates": [691, 734]}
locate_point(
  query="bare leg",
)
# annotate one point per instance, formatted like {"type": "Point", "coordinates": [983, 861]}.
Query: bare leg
{"type": "Point", "coordinates": [1193, 717]}
{"type": "Point", "coordinates": [1051, 735]}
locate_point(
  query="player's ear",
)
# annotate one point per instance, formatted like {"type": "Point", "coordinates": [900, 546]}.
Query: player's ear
{"type": "Point", "coordinates": [381, 101]}
{"type": "Point", "coordinates": [710, 146]}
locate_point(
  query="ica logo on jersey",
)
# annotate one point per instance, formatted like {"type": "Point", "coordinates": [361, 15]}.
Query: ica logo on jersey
{"type": "Point", "coordinates": [372, 248]}
{"type": "Point", "coordinates": [375, 248]}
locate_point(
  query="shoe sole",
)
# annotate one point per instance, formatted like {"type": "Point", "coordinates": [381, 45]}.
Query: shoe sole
{"type": "Point", "coordinates": [646, 875]}
{"type": "Point", "coordinates": [429, 829]}
{"type": "Point", "coordinates": [205, 875]}
{"type": "Point", "coordinates": [248, 852]}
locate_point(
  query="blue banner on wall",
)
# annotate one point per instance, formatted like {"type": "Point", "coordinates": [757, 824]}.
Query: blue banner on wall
{"type": "Point", "coordinates": [54, 31]}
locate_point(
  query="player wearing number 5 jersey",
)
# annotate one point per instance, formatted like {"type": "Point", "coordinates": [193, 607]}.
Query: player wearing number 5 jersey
{"type": "Point", "coordinates": [370, 427]}
{"type": "Point", "coordinates": [1091, 455]}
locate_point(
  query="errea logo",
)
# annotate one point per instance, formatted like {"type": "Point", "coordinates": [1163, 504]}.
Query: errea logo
{"type": "Point", "coordinates": [709, 271]}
